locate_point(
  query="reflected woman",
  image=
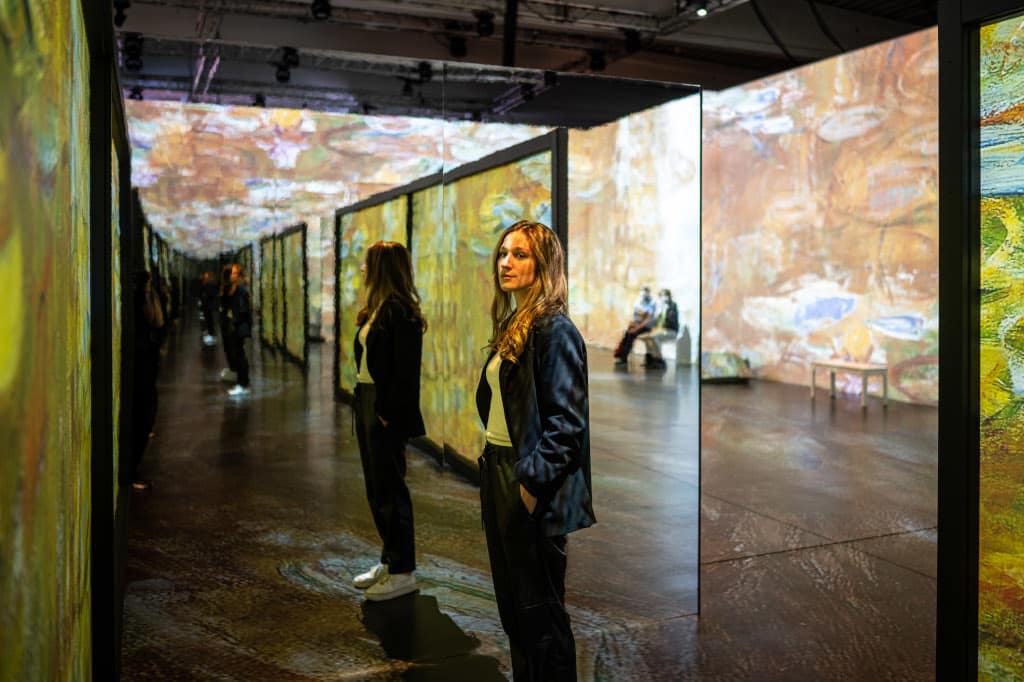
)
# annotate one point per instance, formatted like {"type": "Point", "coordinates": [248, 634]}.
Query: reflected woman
{"type": "Point", "coordinates": [387, 411]}
{"type": "Point", "coordinates": [535, 469]}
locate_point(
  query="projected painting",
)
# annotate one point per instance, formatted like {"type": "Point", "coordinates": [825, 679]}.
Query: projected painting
{"type": "Point", "coordinates": [1001, 512]}
{"type": "Point", "coordinates": [634, 217]}
{"type": "Point", "coordinates": [292, 247]}
{"type": "Point", "coordinates": [277, 293]}
{"type": "Point", "coordinates": [431, 247]}
{"type": "Point", "coordinates": [820, 224]}
{"type": "Point", "coordinates": [266, 293]}
{"type": "Point", "coordinates": [115, 317]}
{"type": "Point", "coordinates": [360, 229]}
{"type": "Point", "coordinates": [478, 208]}
{"type": "Point", "coordinates": [45, 367]}
{"type": "Point", "coordinates": [327, 274]}
{"type": "Point", "coordinates": [211, 178]}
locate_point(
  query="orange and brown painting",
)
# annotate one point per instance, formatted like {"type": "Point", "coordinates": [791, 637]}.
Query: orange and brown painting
{"type": "Point", "coordinates": [45, 368]}
{"type": "Point", "coordinates": [478, 208]}
{"type": "Point", "coordinates": [1001, 491]}
{"type": "Point", "coordinates": [430, 246]}
{"type": "Point", "coordinates": [820, 217]}
{"type": "Point", "coordinates": [359, 229]}
{"type": "Point", "coordinates": [634, 217]}
{"type": "Point", "coordinates": [212, 178]}
{"type": "Point", "coordinates": [292, 247]}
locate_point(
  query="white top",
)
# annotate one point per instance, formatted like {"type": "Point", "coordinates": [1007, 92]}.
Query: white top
{"type": "Point", "coordinates": [497, 427]}
{"type": "Point", "coordinates": [362, 373]}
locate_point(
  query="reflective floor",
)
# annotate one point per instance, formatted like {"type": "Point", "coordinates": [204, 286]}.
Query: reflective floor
{"type": "Point", "coordinates": [817, 559]}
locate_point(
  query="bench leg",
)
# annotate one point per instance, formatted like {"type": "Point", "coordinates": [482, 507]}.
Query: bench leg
{"type": "Point", "coordinates": [832, 383]}
{"type": "Point", "coordinates": [864, 391]}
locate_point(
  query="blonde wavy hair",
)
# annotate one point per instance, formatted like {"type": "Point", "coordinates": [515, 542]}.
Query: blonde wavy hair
{"type": "Point", "coordinates": [546, 296]}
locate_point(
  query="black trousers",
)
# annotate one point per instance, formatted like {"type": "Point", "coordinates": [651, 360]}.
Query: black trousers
{"type": "Point", "coordinates": [234, 347]}
{"type": "Point", "coordinates": [528, 569]}
{"type": "Point", "coordinates": [626, 344]}
{"type": "Point", "coordinates": [209, 325]}
{"type": "Point", "coordinates": [144, 403]}
{"type": "Point", "coordinates": [382, 451]}
{"type": "Point", "coordinates": [229, 353]}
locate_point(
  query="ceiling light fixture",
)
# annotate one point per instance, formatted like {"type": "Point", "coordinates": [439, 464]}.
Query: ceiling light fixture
{"type": "Point", "coordinates": [119, 7]}
{"type": "Point", "coordinates": [321, 10]}
{"type": "Point", "coordinates": [633, 42]}
{"type": "Point", "coordinates": [457, 47]}
{"type": "Point", "coordinates": [702, 9]}
{"type": "Point", "coordinates": [484, 23]}
{"type": "Point", "coordinates": [289, 56]}
{"type": "Point", "coordinates": [426, 71]}
{"type": "Point", "coordinates": [132, 50]}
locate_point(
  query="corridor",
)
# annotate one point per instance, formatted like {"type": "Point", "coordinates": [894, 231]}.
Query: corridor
{"type": "Point", "coordinates": [817, 563]}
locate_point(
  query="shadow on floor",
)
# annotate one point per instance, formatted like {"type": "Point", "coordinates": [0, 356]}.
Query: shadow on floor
{"type": "Point", "coordinates": [412, 628]}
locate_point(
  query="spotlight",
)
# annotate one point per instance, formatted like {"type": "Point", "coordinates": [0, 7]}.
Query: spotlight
{"type": "Point", "coordinates": [426, 71]}
{"type": "Point", "coordinates": [289, 56]}
{"type": "Point", "coordinates": [597, 61]}
{"type": "Point", "coordinates": [119, 7]}
{"type": "Point", "coordinates": [484, 24]}
{"type": "Point", "coordinates": [633, 42]}
{"type": "Point", "coordinates": [321, 10]}
{"type": "Point", "coordinates": [457, 47]}
{"type": "Point", "coordinates": [136, 93]}
{"type": "Point", "coordinates": [259, 100]}
{"type": "Point", "coordinates": [702, 9]}
{"type": "Point", "coordinates": [132, 48]}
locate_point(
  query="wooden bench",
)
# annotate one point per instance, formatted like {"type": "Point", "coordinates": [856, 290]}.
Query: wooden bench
{"type": "Point", "coordinates": [864, 369]}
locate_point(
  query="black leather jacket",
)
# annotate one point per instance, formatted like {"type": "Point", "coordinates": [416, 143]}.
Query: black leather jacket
{"type": "Point", "coordinates": [239, 312]}
{"type": "Point", "coordinates": [396, 343]}
{"type": "Point", "coordinates": [547, 410]}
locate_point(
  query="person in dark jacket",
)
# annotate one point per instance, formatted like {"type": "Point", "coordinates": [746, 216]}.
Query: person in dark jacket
{"type": "Point", "coordinates": [230, 373]}
{"type": "Point", "coordinates": [388, 347]}
{"type": "Point", "coordinates": [148, 337]}
{"type": "Point", "coordinates": [238, 317]}
{"type": "Point", "coordinates": [535, 469]}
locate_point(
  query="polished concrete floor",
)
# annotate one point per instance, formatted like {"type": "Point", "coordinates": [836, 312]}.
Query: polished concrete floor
{"type": "Point", "coordinates": [817, 527]}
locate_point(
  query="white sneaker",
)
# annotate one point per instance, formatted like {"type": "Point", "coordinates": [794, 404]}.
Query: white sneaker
{"type": "Point", "coordinates": [239, 391]}
{"type": "Point", "coordinates": [227, 375]}
{"type": "Point", "coordinates": [392, 585]}
{"type": "Point", "coordinates": [371, 577]}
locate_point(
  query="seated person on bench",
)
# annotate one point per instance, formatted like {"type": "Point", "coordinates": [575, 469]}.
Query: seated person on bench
{"type": "Point", "coordinates": [643, 322]}
{"type": "Point", "coordinates": [666, 327]}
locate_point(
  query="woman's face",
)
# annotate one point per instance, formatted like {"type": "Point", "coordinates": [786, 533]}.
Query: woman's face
{"type": "Point", "coordinates": [516, 263]}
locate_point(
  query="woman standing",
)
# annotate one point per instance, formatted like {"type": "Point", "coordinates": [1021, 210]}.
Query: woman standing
{"type": "Point", "coordinates": [535, 468]}
{"type": "Point", "coordinates": [387, 411]}
{"type": "Point", "coordinates": [238, 313]}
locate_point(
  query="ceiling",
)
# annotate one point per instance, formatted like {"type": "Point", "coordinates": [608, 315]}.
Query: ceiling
{"type": "Point", "coordinates": [449, 58]}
